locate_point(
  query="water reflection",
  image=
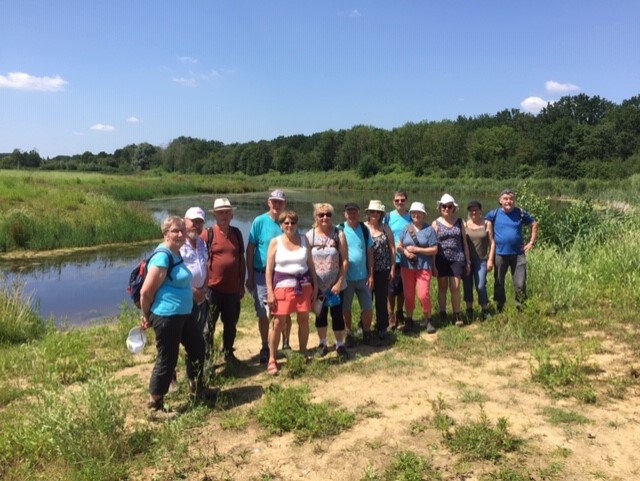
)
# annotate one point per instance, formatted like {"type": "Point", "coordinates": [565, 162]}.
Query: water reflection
{"type": "Point", "coordinates": [79, 287]}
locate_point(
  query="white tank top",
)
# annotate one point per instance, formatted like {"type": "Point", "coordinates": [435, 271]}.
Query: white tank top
{"type": "Point", "coordinates": [293, 262]}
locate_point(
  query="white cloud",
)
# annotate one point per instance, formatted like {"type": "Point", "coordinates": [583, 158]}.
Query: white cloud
{"type": "Point", "coordinates": [103, 128]}
{"type": "Point", "coordinates": [355, 13]}
{"type": "Point", "coordinates": [186, 81]}
{"type": "Point", "coordinates": [133, 120]}
{"type": "Point", "coordinates": [24, 81]}
{"type": "Point", "coordinates": [534, 105]}
{"type": "Point", "coordinates": [188, 60]}
{"type": "Point", "coordinates": [213, 74]}
{"type": "Point", "coordinates": [557, 88]}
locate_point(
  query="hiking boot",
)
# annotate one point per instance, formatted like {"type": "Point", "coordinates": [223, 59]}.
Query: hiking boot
{"type": "Point", "coordinates": [408, 326]}
{"type": "Point", "coordinates": [431, 329]}
{"type": "Point", "coordinates": [156, 405]}
{"type": "Point", "coordinates": [443, 318]}
{"type": "Point", "coordinates": [322, 350]}
{"type": "Point", "coordinates": [383, 335]}
{"type": "Point", "coordinates": [458, 318]}
{"type": "Point", "coordinates": [342, 352]}
{"type": "Point", "coordinates": [230, 357]}
{"type": "Point", "coordinates": [469, 314]}
{"type": "Point", "coordinates": [264, 355]}
{"type": "Point", "coordinates": [350, 340]}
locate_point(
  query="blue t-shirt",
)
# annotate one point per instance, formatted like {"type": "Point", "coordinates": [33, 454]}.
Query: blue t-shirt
{"type": "Point", "coordinates": [263, 229]}
{"type": "Point", "coordinates": [357, 253]}
{"type": "Point", "coordinates": [174, 296]}
{"type": "Point", "coordinates": [426, 238]}
{"type": "Point", "coordinates": [507, 230]}
{"type": "Point", "coordinates": [397, 223]}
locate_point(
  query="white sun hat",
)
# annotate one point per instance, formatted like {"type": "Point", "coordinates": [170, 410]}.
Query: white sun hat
{"type": "Point", "coordinates": [447, 199]}
{"type": "Point", "coordinates": [417, 207]}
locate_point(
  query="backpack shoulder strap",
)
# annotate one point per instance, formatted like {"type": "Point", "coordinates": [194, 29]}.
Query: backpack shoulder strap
{"type": "Point", "coordinates": [386, 218]}
{"type": "Point", "coordinates": [365, 233]}
{"type": "Point", "coordinates": [491, 217]}
{"type": "Point", "coordinates": [172, 263]}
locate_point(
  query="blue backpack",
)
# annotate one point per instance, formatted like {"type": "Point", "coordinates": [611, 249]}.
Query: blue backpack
{"type": "Point", "coordinates": [138, 275]}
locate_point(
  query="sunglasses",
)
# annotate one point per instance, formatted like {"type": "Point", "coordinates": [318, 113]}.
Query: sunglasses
{"type": "Point", "coordinates": [289, 223]}
{"type": "Point", "coordinates": [447, 206]}
{"type": "Point", "coordinates": [320, 215]}
{"type": "Point", "coordinates": [399, 201]}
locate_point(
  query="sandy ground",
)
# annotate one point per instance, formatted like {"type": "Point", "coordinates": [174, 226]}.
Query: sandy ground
{"type": "Point", "coordinates": [389, 402]}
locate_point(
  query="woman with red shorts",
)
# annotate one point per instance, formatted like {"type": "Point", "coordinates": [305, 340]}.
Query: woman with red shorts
{"type": "Point", "coordinates": [291, 284]}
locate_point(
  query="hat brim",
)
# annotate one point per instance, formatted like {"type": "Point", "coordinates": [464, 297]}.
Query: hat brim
{"type": "Point", "coordinates": [226, 207]}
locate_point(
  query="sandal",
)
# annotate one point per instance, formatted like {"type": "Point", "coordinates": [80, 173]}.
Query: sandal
{"type": "Point", "coordinates": [272, 368]}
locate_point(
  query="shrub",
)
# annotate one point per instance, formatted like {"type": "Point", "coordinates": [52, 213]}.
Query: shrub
{"type": "Point", "coordinates": [19, 320]}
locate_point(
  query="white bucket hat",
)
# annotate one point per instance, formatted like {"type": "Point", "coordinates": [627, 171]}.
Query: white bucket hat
{"type": "Point", "coordinates": [375, 205]}
{"type": "Point", "coordinates": [447, 199]}
{"type": "Point", "coordinates": [418, 207]}
{"type": "Point", "coordinates": [221, 204]}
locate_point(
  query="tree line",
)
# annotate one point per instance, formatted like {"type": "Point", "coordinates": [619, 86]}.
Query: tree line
{"type": "Point", "coordinates": [576, 137]}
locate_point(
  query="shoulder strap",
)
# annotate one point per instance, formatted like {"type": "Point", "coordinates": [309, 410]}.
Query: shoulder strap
{"type": "Point", "coordinates": [172, 263]}
{"type": "Point", "coordinates": [365, 233]}
{"type": "Point", "coordinates": [521, 214]}
{"type": "Point", "coordinates": [336, 237]}
{"type": "Point", "coordinates": [209, 237]}
{"type": "Point", "coordinates": [386, 218]}
{"type": "Point", "coordinates": [491, 217]}
{"type": "Point", "coordinates": [412, 232]}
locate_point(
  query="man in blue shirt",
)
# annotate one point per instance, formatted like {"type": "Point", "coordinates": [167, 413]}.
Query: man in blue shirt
{"type": "Point", "coordinates": [506, 223]}
{"type": "Point", "coordinates": [264, 228]}
{"type": "Point", "coordinates": [397, 220]}
{"type": "Point", "coordinates": [359, 274]}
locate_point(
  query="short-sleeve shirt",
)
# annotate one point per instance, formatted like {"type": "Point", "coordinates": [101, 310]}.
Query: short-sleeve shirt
{"type": "Point", "coordinates": [196, 261]}
{"type": "Point", "coordinates": [426, 238]}
{"type": "Point", "coordinates": [507, 230]}
{"type": "Point", "coordinates": [224, 269]}
{"type": "Point", "coordinates": [263, 229]}
{"type": "Point", "coordinates": [174, 296]}
{"type": "Point", "coordinates": [398, 222]}
{"type": "Point", "coordinates": [325, 253]}
{"type": "Point", "coordinates": [357, 252]}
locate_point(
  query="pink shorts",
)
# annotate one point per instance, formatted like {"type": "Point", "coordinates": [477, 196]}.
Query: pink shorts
{"type": "Point", "coordinates": [287, 302]}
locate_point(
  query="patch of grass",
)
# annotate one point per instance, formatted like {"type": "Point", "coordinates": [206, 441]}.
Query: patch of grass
{"type": "Point", "coordinates": [441, 421]}
{"type": "Point", "coordinates": [288, 409]}
{"type": "Point", "coordinates": [480, 440]}
{"type": "Point", "coordinates": [473, 396]}
{"type": "Point", "coordinates": [506, 473]}
{"type": "Point", "coordinates": [564, 375]}
{"type": "Point", "coordinates": [19, 321]}
{"type": "Point", "coordinates": [408, 466]}
{"type": "Point", "coordinates": [234, 421]}
{"type": "Point", "coordinates": [558, 416]}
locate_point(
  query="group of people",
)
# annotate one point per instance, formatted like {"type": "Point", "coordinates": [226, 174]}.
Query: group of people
{"type": "Point", "coordinates": [385, 262]}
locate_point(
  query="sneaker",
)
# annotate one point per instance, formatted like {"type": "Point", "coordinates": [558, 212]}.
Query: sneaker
{"type": "Point", "coordinates": [342, 352]}
{"type": "Point", "coordinates": [350, 340]}
{"type": "Point", "coordinates": [322, 350]}
{"type": "Point", "coordinates": [369, 339]}
{"type": "Point", "coordinates": [264, 355]}
{"type": "Point", "coordinates": [408, 326]}
{"type": "Point", "coordinates": [459, 322]}
{"type": "Point", "coordinates": [431, 329]}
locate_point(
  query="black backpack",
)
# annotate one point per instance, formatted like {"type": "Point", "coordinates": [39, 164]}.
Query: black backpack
{"type": "Point", "coordinates": [138, 275]}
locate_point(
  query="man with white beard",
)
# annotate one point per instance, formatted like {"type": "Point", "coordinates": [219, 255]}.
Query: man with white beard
{"type": "Point", "coordinates": [195, 256]}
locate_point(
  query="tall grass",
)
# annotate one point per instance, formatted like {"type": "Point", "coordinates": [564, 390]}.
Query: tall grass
{"type": "Point", "coordinates": [19, 321]}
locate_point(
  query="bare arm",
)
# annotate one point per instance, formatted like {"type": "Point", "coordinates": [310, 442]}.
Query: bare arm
{"type": "Point", "coordinates": [251, 249]}
{"type": "Point", "coordinates": [534, 237]}
{"type": "Point", "coordinates": [465, 247]}
{"type": "Point", "coordinates": [271, 262]}
{"type": "Point", "coordinates": [344, 263]}
{"type": "Point", "coordinates": [153, 281]}
{"type": "Point", "coordinates": [492, 246]}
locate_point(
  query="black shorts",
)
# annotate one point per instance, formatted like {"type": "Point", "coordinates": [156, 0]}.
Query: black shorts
{"type": "Point", "coordinates": [395, 286]}
{"type": "Point", "coordinates": [449, 269]}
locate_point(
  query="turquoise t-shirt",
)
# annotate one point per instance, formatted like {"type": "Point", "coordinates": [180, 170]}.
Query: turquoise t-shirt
{"type": "Point", "coordinates": [397, 223]}
{"type": "Point", "coordinates": [263, 229]}
{"type": "Point", "coordinates": [357, 252]}
{"type": "Point", "coordinates": [174, 296]}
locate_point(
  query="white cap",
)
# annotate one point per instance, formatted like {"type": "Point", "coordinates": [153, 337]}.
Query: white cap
{"type": "Point", "coordinates": [194, 213]}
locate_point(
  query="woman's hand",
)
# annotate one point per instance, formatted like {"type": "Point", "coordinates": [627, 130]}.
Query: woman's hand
{"type": "Point", "coordinates": [144, 322]}
{"type": "Point", "coordinates": [467, 268]}
{"type": "Point", "coordinates": [271, 298]}
{"type": "Point", "coordinates": [335, 289]}
{"type": "Point", "coordinates": [489, 266]}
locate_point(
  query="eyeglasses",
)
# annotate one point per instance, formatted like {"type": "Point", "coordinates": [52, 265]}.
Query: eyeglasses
{"type": "Point", "coordinates": [447, 206]}
{"type": "Point", "coordinates": [399, 201]}
{"type": "Point", "coordinates": [324, 214]}
{"type": "Point", "coordinates": [289, 223]}
{"type": "Point", "coordinates": [177, 231]}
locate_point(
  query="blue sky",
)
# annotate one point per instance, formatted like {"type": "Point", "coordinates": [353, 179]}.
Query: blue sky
{"type": "Point", "coordinates": [99, 75]}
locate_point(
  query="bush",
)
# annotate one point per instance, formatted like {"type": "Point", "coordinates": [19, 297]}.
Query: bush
{"type": "Point", "coordinates": [19, 320]}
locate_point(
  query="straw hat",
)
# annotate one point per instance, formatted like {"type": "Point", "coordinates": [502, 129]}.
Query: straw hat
{"type": "Point", "coordinates": [221, 204]}
{"type": "Point", "coordinates": [375, 205]}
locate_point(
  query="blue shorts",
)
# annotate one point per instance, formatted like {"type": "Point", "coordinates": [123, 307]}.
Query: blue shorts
{"type": "Point", "coordinates": [260, 293]}
{"type": "Point", "coordinates": [363, 292]}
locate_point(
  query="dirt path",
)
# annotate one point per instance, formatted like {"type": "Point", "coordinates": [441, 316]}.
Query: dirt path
{"type": "Point", "coordinates": [394, 412]}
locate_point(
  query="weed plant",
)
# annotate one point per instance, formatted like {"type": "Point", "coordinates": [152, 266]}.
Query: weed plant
{"type": "Point", "coordinates": [288, 409]}
{"type": "Point", "coordinates": [557, 416]}
{"type": "Point", "coordinates": [564, 375]}
{"type": "Point", "coordinates": [408, 466]}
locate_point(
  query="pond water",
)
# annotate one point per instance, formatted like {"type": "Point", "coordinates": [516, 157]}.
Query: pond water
{"type": "Point", "coordinates": [83, 287]}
